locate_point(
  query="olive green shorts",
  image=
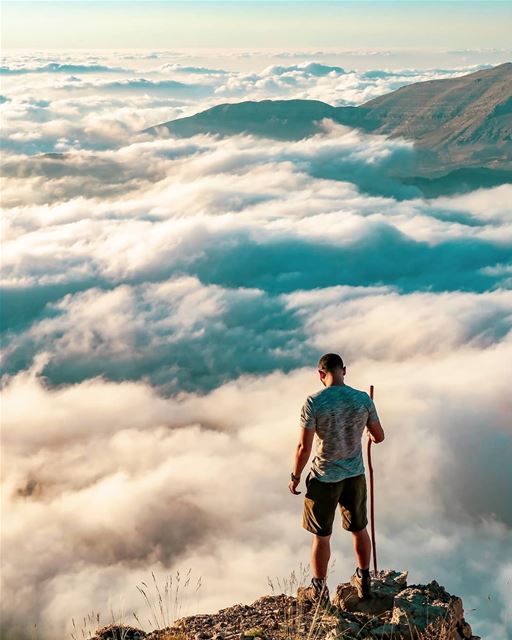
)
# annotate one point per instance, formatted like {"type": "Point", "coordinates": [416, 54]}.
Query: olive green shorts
{"type": "Point", "coordinates": [322, 498]}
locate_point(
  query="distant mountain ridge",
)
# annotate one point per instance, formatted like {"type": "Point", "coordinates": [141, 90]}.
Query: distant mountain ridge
{"type": "Point", "coordinates": [465, 120]}
{"type": "Point", "coordinates": [457, 122]}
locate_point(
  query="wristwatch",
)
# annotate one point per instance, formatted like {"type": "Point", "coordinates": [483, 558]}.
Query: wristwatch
{"type": "Point", "coordinates": [294, 477]}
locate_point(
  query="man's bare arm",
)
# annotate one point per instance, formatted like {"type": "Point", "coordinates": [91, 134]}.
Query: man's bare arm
{"type": "Point", "coordinates": [303, 450]}
{"type": "Point", "coordinates": [302, 454]}
{"type": "Point", "coordinates": [375, 432]}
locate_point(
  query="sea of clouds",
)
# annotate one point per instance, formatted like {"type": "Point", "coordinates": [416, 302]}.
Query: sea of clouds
{"type": "Point", "coordinates": [165, 304]}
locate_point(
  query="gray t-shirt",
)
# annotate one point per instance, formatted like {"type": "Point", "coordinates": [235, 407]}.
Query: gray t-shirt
{"type": "Point", "coordinates": [339, 415]}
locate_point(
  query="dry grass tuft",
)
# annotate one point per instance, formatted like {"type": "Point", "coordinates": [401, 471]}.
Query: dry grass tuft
{"type": "Point", "coordinates": [300, 622]}
{"type": "Point", "coordinates": [166, 604]}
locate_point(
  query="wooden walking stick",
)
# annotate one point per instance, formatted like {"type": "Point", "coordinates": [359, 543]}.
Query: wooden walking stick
{"type": "Point", "coordinates": [372, 501]}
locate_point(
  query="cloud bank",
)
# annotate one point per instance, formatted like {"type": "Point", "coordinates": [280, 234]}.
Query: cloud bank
{"type": "Point", "coordinates": [165, 303]}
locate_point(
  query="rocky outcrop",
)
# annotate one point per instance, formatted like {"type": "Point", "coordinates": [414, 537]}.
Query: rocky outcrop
{"type": "Point", "coordinates": [398, 611]}
{"type": "Point", "coordinates": [394, 612]}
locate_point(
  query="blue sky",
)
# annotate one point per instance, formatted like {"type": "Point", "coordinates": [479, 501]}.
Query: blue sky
{"type": "Point", "coordinates": [91, 24]}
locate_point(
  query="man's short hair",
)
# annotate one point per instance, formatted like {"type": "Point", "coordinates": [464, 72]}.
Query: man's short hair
{"type": "Point", "coordinates": [330, 362]}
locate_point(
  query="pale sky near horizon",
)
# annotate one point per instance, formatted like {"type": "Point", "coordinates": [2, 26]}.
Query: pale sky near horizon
{"type": "Point", "coordinates": [148, 24]}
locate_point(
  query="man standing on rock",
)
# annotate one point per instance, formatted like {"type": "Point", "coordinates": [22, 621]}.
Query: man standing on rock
{"type": "Point", "coordinates": [338, 416]}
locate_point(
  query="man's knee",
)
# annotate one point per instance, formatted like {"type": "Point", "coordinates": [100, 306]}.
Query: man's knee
{"type": "Point", "coordinates": [361, 533]}
{"type": "Point", "coordinates": [321, 539]}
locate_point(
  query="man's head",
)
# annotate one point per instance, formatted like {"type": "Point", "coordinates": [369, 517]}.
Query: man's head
{"type": "Point", "coordinates": [331, 369]}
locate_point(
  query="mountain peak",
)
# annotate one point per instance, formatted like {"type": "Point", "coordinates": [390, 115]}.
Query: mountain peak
{"type": "Point", "coordinates": [464, 119]}
{"type": "Point", "coordinates": [395, 610]}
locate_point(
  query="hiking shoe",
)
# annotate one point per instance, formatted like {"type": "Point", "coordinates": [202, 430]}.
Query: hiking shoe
{"type": "Point", "coordinates": [314, 595]}
{"type": "Point", "coordinates": [363, 584]}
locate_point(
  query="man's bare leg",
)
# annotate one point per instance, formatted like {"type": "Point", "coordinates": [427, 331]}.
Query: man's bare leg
{"type": "Point", "coordinates": [320, 554]}
{"type": "Point", "coordinates": [362, 547]}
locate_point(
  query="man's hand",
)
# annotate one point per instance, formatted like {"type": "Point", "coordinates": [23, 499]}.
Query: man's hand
{"type": "Point", "coordinates": [302, 454]}
{"type": "Point", "coordinates": [293, 486]}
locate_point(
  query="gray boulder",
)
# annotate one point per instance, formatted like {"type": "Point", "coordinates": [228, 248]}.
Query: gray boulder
{"type": "Point", "coordinates": [385, 586]}
{"type": "Point", "coordinates": [395, 611]}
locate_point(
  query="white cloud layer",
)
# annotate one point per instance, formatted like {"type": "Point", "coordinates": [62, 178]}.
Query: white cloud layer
{"type": "Point", "coordinates": [165, 303]}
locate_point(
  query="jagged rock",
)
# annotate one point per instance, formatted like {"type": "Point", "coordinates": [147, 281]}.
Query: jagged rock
{"type": "Point", "coordinates": [388, 631]}
{"type": "Point", "coordinates": [253, 634]}
{"type": "Point", "coordinates": [119, 632]}
{"type": "Point", "coordinates": [345, 626]}
{"type": "Point", "coordinates": [428, 607]}
{"type": "Point", "coordinates": [385, 586]}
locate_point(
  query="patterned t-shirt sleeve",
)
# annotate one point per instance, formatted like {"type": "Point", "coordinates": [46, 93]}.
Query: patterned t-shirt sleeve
{"type": "Point", "coordinates": [307, 414]}
{"type": "Point", "coordinates": [372, 412]}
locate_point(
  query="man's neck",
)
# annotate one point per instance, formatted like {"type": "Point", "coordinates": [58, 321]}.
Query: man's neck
{"type": "Point", "coordinates": [337, 383]}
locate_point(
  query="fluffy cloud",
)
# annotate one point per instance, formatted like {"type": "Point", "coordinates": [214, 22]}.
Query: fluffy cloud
{"type": "Point", "coordinates": [165, 302]}
{"type": "Point", "coordinates": [119, 479]}
{"type": "Point", "coordinates": [310, 79]}
{"type": "Point", "coordinates": [176, 67]}
{"type": "Point", "coordinates": [57, 67]}
{"type": "Point", "coordinates": [329, 83]}
{"type": "Point", "coordinates": [236, 215]}
{"type": "Point", "coordinates": [178, 334]}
